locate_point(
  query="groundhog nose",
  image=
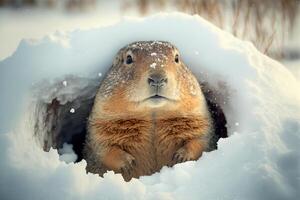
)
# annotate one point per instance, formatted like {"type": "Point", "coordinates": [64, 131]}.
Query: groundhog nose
{"type": "Point", "coordinates": [157, 80]}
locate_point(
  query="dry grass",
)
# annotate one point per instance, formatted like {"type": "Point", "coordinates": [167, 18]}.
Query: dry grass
{"type": "Point", "coordinates": [266, 23]}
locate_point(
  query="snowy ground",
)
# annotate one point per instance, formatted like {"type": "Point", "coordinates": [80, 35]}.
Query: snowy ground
{"type": "Point", "coordinates": [260, 159]}
{"type": "Point", "coordinates": [35, 23]}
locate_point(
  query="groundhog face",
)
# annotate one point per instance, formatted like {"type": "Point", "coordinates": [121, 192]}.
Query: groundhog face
{"type": "Point", "coordinates": [149, 74]}
{"type": "Point", "coordinates": [154, 70]}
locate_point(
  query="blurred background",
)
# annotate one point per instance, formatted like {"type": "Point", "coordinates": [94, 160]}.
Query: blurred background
{"type": "Point", "coordinates": [273, 26]}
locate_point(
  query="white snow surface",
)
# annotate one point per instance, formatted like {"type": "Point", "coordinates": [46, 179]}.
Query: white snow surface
{"type": "Point", "coordinates": [67, 154]}
{"type": "Point", "coordinates": [260, 159]}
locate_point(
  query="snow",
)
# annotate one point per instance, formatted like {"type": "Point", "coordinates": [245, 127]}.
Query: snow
{"type": "Point", "coordinates": [67, 154]}
{"type": "Point", "coordinates": [260, 159]}
{"type": "Point", "coordinates": [294, 67]}
{"type": "Point", "coordinates": [65, 83]}
{"type": "Point", "coordinates": [153, 65]}
{"type": "Point", "coordinates": [31, 22]}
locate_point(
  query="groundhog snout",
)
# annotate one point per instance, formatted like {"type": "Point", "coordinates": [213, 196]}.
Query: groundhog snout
{"type": "Point", "coordinates": [157, 80]}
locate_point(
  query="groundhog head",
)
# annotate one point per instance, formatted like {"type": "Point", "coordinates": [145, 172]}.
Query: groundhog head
{"type": "Point", "coordinates": [145, 76]}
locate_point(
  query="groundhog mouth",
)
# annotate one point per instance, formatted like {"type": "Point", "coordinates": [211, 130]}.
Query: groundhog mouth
{"type": "Point", "coordinates": [157, 98]}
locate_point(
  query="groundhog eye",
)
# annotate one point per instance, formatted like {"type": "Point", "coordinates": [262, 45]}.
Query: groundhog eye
{"type": "Point", "coordinates": [129, 60]}
{"type": "Point", "coordinates": [176, 58]}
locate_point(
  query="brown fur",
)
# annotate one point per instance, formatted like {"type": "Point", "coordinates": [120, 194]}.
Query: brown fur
{"type": "Point", "coordinates": [134, 139]}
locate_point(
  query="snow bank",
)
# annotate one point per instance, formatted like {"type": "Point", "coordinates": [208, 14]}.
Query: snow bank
{"type": "Point", "coordinates": [260, 159]}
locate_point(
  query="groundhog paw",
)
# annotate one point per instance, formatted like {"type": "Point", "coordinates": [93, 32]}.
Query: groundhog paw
{"type": "Point", "coordinates": [182, 155]}
{"type": "Point", "coordinates": [128, 164]}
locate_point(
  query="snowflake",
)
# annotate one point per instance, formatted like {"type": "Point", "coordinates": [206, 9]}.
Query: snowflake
{"type": "Point", "coordinates": [65, 83]}
{"type": "Point", "coordinates": [153, 65]}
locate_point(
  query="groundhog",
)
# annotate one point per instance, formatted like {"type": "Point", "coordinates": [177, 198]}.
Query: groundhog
{"type": "Point", "coordinates": [149, 112]}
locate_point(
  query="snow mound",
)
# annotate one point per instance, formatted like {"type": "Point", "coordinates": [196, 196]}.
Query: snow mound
{"type": "Point", "coordinates": [260, 159]}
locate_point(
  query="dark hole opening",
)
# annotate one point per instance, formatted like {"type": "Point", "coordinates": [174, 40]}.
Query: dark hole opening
{"type": "Point", "coordinates": [217, 114]}
{"type": "Point", "coordinates": [59, 125]}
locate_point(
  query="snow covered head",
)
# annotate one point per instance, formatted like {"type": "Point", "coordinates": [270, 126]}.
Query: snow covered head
{"type": "Point", "coordinates": [148, 75]}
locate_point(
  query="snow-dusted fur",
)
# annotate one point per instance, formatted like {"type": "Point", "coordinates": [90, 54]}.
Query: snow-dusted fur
{"type": "Point", "coordinates": [132, 132]}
